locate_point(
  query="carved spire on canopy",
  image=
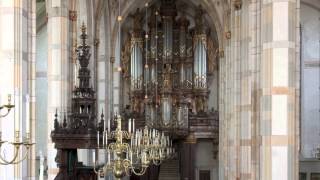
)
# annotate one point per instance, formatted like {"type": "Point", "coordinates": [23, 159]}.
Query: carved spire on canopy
{"type": "Point", "coordinates": [83, 53]}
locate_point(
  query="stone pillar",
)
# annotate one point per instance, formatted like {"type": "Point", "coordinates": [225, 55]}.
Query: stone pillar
{"type": "Point", "coordinates": [278, 129]}
{"type": "Point", "coordinates": [17, 62]}
{"type": "Point", "coordinates": [31, 163]}
{"type": "Point", "coordinates": [259, 90]}
{"type": "Point", "coordinates": [58, 69]}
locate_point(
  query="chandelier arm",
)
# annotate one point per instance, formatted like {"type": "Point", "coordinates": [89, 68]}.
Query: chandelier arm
{"type": "Point", "coordinates": [142, 172]}
{"type": "Point", "coordinates": [155, 162]}
{"type": "Point", "coordinates": [6, 114]}
{"type": "Point", "coordinates": [97, 167]}
{"type": "Point", "coordinates": [94, 168]}
{"type": "Point", "coordinates": [14, 157]}
{"type": "Point", "coordinates": [24, 157]}
{"type": "Point", "coordinates": [1, 163]}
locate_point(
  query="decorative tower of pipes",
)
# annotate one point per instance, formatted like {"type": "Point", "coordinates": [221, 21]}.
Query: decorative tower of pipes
{"type": "Point", "coordinates": [136, 63]}
{"type": "Point", "coordinates": [200, 62]}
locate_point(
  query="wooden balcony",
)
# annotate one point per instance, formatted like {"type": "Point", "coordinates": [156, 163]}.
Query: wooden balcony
{"type": "Point", "coordinates": [205, 125]}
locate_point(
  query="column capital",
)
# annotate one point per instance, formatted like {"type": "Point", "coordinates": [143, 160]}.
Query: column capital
{"type": "Point", "coordinates": [112, 60]}
{"type": "Point", "coordinates": [96, 42]}
{"type": "Point", "coordinates": [227, 34]}
{"type": "Point", "coordinates": [73, 15]}
{"type": "Point", "coordinates": [221, 53]}
{"type": "Point", "coordinates": [237, 4]}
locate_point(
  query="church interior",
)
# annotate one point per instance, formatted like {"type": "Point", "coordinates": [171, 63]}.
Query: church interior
{"type": "Point", "coordinates": [160, 90]}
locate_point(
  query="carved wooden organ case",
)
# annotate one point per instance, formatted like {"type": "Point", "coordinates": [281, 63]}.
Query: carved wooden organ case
{"type": "Point", "coordinates": [166, 67]}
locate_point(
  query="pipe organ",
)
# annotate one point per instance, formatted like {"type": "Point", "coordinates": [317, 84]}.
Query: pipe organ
{"type": "Point", "coordinates": [166, 66]}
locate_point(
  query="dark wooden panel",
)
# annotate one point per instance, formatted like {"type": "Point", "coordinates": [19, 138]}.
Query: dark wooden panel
{"type": "Point", "coordinates": [204, 175]}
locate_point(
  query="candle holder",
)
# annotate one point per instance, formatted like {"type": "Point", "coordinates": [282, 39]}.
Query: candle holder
{"type": "Point", "coordinates": [8, 106]}
{"type": "Point", "coordinates": [17, 144]}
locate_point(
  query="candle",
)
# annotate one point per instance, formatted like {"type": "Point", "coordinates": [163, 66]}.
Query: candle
{"type": "Point", "coordinates": [136, 140]}
{"type": "Point", "coordinates": [108, 157]}
{"type": "Point", "coordinates": [108, 125]}
{"type": "Point", "coordinates": [129, 126]}
{"type": "Point", "coordinates": [27, 114]}
{"type": "Point", "coordinates": [103, 137]}
{"type": "Point", "coordinates": [9, 99]}
{"type": "Point", "coordinates": [94, 157]}
{"type": "Point", "coordinates": [106, 138]}
{"type": "Point", "coordinates": [98, 139]}
{"type": "Point", "coordinates": [131, 156]}
{"type": "Point", "coordinates": [16, 102]}
{"type": "Point", "coordinates": [104, 125]}
{"type": "Point", "coordinates": [133, 128]}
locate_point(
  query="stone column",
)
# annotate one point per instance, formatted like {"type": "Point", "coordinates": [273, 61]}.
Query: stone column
{"type": "Point", "coordinates": [17, 62]}
{"type": "Point", "coordinates": [278, 129]}
{"type": "Point", "coordinates": [58, 67]}
{"type": "Point", "coordinates": [101, 70]}
{"type": "Point", "coordinates": [31, 163]}
{"type": "Point", "coordinates": [259, 89]}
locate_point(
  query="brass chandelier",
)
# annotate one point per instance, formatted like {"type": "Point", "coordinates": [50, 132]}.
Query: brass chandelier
{"type": "Point", "coordinates": [132, 151]}
{"type": "Point", "coordinates": [17, 144]}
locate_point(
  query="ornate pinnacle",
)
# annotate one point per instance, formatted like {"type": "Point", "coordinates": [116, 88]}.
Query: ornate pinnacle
{"type": "Point", "coordinates": [102, 115]}
{"type": "Point", "coordinates": [64, 121]}
{"type": "Point", "coordinates": [83, 35]}
{"type": "Point", "coordinates": [56, 123]}
{"type": "Point", "coordinates": [83, 28]}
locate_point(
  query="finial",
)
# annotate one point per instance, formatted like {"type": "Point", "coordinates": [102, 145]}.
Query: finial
{"type": "Point", "coordinates": [56, 114]}
{"type": "Point", "coordinates": [64, 120]}
{"type": "Point", "coordinates": [56, 123]}
{"type": "Point", "coordinates": [102, 115]}
{"type": "Point", "coordinates": [83, 28]}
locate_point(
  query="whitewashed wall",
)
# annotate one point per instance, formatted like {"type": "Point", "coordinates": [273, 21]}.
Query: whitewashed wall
{"type": "Point", "coordinates": [310, 116]}
{"type": "Point", "coordinates": [310, 88]}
